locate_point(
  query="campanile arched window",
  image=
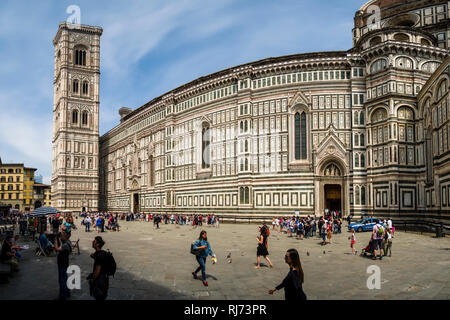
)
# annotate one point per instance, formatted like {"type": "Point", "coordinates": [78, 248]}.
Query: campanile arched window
{"type": "Point", "coordinates": [74, 116]}
{"type": "Point", "coordinates": [75, 86]}
{"type": "Point", "coordinates": [85, 88]}
{"type": "Point", "coordinates": [300, 136]}
{"type": "Point", "coordinates": [80, 57]}
{"type": "Point", "coordinates": [84, 118]}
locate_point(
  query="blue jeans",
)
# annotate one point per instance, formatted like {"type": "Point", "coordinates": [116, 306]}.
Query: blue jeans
{"type": "Point", "coordinates": [87, 227]}
{"type": "Point", "coordinates": [64, 292]}
{"type": "Point", "coordinates": [202, 266]}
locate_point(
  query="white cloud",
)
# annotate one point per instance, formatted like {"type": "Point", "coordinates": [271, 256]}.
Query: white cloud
{"type": "Point", "coordinates": [28, 135]}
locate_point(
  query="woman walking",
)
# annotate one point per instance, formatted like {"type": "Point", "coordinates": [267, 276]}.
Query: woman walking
{"type": "Point", "coordinates": [293, 283]}
{"type": "Point", "coordinates": [202, 244]}
{"type": "Point", "coordinates": [262, 247]}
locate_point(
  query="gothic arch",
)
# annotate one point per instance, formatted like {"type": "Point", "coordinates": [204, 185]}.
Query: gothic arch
{"type": "Point", "coordinates": [376, 109]}
{"type": "Point", "coordinates": [299, 128]}
{"type": "Point", "coordinates": [408, 105]}
{"type": "Point", "coordinates": [135, 184]}
{"type": "Point", "coordinates": [427, 99]}
{"type": "Point", "coordinates": [427, 62]}
{"type": "Point", "coordinates": [442, 78]}
{"type": "Point", "coordinates": [324, 163]}
{"type": "Point", "coordinates": [299, 107]}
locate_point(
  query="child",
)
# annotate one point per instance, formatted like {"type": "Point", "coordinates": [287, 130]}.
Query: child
{"type": "Point", "coordinates": [329, 233]}
{"type": "Point", "coordinates": [352, 239]}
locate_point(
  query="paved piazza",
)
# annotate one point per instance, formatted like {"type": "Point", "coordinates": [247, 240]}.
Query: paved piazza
{"type": "Point", "coordinates": [156, 264]}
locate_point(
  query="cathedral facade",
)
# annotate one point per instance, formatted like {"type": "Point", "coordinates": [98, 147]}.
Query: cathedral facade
{"type": "Point", "coordinates": [361, 131]}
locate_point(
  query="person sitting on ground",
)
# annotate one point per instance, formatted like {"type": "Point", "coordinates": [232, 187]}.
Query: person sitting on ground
{"type": "Point", "coordinates": [8, 255]}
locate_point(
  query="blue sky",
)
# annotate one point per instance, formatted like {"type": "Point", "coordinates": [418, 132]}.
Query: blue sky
{"type": "Point", "coordinates": [148, 48]}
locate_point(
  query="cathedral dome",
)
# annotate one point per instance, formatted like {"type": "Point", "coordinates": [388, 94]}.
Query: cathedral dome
{"type": "Point", "coordinates": [123, 112]}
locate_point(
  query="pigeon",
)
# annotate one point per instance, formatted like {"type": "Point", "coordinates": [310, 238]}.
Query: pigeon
{"type": "Point", "coordinates": [307, 253]}
{"type": "Point", "coordinates": [229, 257]}
{"type": "Point", "coordinates": [323, 251]}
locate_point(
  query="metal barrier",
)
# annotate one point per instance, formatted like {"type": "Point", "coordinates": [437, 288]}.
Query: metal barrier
{"type": "Point", "coordinates": [439, 229]}
{"type": "Point", "coordinates": [413, 225]}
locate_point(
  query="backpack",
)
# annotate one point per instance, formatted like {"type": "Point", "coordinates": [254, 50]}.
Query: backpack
{"type": "Point", "coordinates": [110, 264]}
{"type": "Point", "coordinates": [380, 230]}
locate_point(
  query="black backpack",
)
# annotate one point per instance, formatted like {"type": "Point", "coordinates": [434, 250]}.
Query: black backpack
{"type": "Point", "coordinates": [110, 264]}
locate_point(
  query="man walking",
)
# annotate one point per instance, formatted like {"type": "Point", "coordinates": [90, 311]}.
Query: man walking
{"type": "Point", "coordinates": [64, 249]}
{"type": "Point", "coordinates": [87, 223]}
{"type": "Point", "coordinates": [377, 240]}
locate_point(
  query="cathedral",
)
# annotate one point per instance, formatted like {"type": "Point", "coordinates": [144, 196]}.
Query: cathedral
{"type": "Point", "coordinates": [363, 131]}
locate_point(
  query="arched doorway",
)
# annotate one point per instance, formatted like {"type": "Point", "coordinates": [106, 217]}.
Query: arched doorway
{"type": "Point", "coordinates": [333, 197]}
{"type": "Point", "coordinates": [136, 203]}
{"type": "Point", "coordinates": [331, 188]}
{"type": "Point", "coordinates": [37, 204]}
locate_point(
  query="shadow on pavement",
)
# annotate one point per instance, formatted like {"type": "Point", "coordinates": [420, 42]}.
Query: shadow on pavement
{"type": "Point", "coordinates": [37, 279]}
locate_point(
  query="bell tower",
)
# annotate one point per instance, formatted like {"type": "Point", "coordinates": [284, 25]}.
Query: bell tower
{"type": "Point", "coordinates": [76, 118]}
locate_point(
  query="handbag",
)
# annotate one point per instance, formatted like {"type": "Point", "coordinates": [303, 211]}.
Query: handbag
{"type": "Point", "coordinates": [197, 252]}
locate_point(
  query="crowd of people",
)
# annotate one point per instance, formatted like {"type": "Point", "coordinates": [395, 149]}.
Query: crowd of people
{"type": "Point", "coordinates": [100, 221]}
{"type": "Point", "coordinates": [110, 221]}
{"type": "Point", "coordinates": [307, 227]}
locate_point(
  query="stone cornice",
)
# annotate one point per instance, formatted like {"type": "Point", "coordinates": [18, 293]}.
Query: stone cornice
{"type": "Point", "coordinates": [73, 27]}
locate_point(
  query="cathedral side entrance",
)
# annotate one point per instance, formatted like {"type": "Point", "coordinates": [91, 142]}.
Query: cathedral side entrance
{"type": "Point", "coordinates": [135, 202]}
{"type": "Point", "coordinates": [333, 197]}
{"type": "Point", "coordinates": [331, 190]}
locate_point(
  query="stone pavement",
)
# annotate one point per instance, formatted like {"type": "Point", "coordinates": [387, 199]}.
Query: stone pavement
{"type": "Point", "coordinates": [156, 264]}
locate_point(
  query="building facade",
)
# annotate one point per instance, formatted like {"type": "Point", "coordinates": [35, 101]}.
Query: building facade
{"type": "Point", "coordinates": [42, 195]}
{"type": "Point", "coordinates": [16, 186]}
{"type": "Point", "coordinates": [343, 130]}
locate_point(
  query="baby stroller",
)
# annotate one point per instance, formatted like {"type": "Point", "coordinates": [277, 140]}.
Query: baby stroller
{"type": "Point", "coordinates": [367, 250]}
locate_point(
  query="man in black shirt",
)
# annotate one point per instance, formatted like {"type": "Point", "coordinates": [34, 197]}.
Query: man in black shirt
{"type": "Point", "coordinates": [64, 249]}
{"type": "Point", "coordinates": [98, 279]}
